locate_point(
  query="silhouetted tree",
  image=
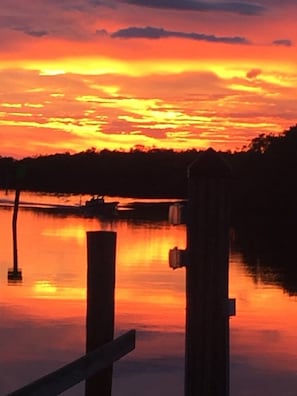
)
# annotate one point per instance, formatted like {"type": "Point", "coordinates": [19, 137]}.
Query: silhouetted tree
{"type": "Point", "coordinates": [264, 176]}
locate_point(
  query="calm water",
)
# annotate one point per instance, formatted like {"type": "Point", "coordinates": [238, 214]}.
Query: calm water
{"type": "Point", "coordinates": [43, 317]}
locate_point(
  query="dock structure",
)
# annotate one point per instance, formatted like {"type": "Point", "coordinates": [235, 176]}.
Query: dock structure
{"type": "Point", "coordinates": [102, 350]}
{"type": "Point", "coordinates": [14, 274]}
{"type": "Point", "coordinates": [101, 257]}
{"type": "Point", "coordinates": [81, 369]}
{"type": "Point", "coordinates": [206, 259]}
{"type": "Point", "coordinates": [207, 313]}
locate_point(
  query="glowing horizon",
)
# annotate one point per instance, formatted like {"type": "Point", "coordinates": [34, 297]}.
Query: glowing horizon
{"type": "Point", "coordinates": [119, 74]}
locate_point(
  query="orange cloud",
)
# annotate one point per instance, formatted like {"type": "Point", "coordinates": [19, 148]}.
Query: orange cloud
{"type": "Point", "coordinates": [68, 86]}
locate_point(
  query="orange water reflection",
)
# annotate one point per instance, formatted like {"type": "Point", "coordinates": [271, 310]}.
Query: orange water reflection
{"type": "Point", "coordinates": [265, 324]}
{"type": "Point", "coordinates": [50, 302]}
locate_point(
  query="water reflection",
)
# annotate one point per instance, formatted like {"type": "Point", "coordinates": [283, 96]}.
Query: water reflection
{"type": "Point", "coordinates": [48, 309]}
{"type": "Point", "coordinates": [43, 319]}
{"type": "Point", "coordinates": [269, 250]}
{"type": "Point", "coordinates": [263, 336]}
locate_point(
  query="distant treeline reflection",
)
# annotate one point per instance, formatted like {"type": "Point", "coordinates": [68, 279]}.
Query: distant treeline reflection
{"type": "Point", "coordinates": [264, 174]}
{"type": "Point", "coordinates": [268, 247]}
{"type": "Point", "coordinates": [263, 191]}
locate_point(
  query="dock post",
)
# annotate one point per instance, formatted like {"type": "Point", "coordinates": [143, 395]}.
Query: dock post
{"type": "Point", "coordinates": [207, 318]}
{"type": "Point", "coordinates": [14, 229]}
{"type": "Point", "coordinates": [14, 274]}
{"type": "Point", "coordinates": [101, 255]}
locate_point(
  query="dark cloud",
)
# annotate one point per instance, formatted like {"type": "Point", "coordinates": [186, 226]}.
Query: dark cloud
{"type": "Point", "coordinates": [192, 5]}
{"type": "Point", "coordinates": [158, 33]}
{"type": "Point", "coordinates": [96, 2]}
{"type": "Point", "coordinates": [101, 32]}
{"type": "Point", "coordinates": [283, 42]}
{"type": "Point", "coordinates": [102, 3]}
{"type": "Point", "coordinates": [253, 73]}
{"type": "Point", "coordinates": [81, 5]}
{"type": "Point", "coordinates": [31, 32]}
{"type": "Point", "coordinates": [36, 33]}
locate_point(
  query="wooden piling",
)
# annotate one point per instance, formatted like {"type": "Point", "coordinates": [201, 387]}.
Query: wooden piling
{"type": "Point", "coordinates": [14, 230]}
{"type": "Point", "coordinates": [207, 320]}
{"type": "Point", "coordinates": [14, 274]}
{"type": "Point", "coordinates": [101, 254]}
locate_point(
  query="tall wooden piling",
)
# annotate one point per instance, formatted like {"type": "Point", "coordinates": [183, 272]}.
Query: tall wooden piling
{"type": "Point", "coordinates": [14, 230]}
{"type": "Point", "coordinates": [101, 255]}
{"type": "Point", "coordinates": [14, 274]}
{"type": "Point", "coordinates": [207, 320]}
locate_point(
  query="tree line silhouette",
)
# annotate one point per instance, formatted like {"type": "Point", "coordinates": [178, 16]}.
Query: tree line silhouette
{"type": "Point", "coordinates": [263, 191]}
{"type": "Point", "coordinates": [264, 173]}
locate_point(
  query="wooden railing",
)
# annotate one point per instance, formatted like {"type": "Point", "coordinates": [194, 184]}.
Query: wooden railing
{"type": "Point", "coordinates": [80, 369]}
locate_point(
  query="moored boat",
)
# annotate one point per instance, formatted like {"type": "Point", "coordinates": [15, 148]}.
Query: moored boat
{"type": "Point", "coordinates": [98, 205]}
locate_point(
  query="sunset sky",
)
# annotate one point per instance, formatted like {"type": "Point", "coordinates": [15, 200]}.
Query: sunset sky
{"type": "Point", "coordinates": [119, 74]}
